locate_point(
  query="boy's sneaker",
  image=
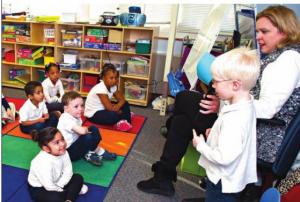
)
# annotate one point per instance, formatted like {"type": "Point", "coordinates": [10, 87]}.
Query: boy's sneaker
{"type": "Point", "coordinates": [109, 156]}
{"type": "Point", "coordinates": [93, 158]}
{"type": "Point", "coordinates": [123, 125]}
{"type": "Point", "coordinates": [203, 183]}
{"type": "Point", "coordinates": [84, 189]}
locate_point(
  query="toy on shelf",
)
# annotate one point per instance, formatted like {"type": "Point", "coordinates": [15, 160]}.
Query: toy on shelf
{"type": "Point", "coordinates": [71, 38]}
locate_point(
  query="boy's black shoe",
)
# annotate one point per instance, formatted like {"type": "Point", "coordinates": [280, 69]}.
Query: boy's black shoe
{"type": "Point", "coordinates": [203, 183]}
{"type": "Point", "coordinates": [164, 131]}
{"type": "Point", "coordinates": [193, 200]}
{"type": "Point", "coordinates": [157, 186]}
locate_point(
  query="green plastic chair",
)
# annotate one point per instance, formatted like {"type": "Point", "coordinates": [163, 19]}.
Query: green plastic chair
{"type": "Point", "coordinates": [189, 162]}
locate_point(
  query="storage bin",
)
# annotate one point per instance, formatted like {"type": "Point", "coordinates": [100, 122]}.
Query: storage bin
{"type": "Point", "coordinates": [143, 46]}
{"type": "Point", "coordinates": [41, 75]}
{"type": "Point", "coordinates": [138, 68]}
{"type": "Point", "coordinates": [48, 59]}
{"type": "Point", "coordinates": [23, 39]}
{"type": "Point", "coordinates": [70, 84]}
{"type": "Point", "coordinates": [89, 81]}
{"type": "Point", "coordinates": [49, 36]}
{"type": "Point", "coordinates": [135, 91]}
{"type": "Point", "coordinates": [71, 38]}
{"type": "Point", "coordinates": [115, 36]}
{"type": "Point", "coordinates": [25, 61]}
{"type": "Point", "coordinates": [70, 58]}
{"type": "Point", "coordinates": [12, 73]}
{"type": "Point", "coordinates": [120, 65]}
{"type": "Point", "coordinates": [89, 64]}
{"type": "Point", "coordinates": [9, 56]}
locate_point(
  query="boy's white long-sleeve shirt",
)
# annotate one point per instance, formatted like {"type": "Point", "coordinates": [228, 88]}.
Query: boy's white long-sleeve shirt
{"type": "Point", "coordinates": [229, 154]}
{"type": "Point", "coordinates": [50, 172]}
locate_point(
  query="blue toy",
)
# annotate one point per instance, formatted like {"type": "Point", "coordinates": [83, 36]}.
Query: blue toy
{"type": "Point", "coordinates": [204, 68]}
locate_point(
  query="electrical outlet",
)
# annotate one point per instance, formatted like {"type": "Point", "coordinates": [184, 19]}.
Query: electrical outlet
{"type": "Point", "coordinates": [163, 107]}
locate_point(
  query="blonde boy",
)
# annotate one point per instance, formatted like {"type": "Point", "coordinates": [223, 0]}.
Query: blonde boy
{"type": "Point", "coordinates": [229, 154]}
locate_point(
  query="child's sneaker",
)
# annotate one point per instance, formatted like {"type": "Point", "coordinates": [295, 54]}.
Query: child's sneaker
{"type": "Point", "coordinates": [123, 125]}
{"type": "Point", "coordinates": [84, 189]}
{"type": "Point", "coordinates": [109, 156]}
{"type": "Point", "coordinates": [93, 158]}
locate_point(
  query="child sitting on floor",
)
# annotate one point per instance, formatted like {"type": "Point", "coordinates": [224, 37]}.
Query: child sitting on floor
{"type": "Point", "coordinates": [100, 109]}
{"type": "Point", "coordinates": [81, 141]}
{"type": "Point", "coordinates": [53, 88]}
{"type": "Point", "coordinates": [229, 154]}
{"type": "Point", "coordinates": [8, 111]}
{"type": "Point", "coordinates": [34, 113]}
{"type": "Point", "coordinates": [51, 176]}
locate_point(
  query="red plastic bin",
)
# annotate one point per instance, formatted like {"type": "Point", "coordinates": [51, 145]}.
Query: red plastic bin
{"type": "Point", "coordinates": [10, 56]}
{"type": "Point", "coordinates": [90, 80]}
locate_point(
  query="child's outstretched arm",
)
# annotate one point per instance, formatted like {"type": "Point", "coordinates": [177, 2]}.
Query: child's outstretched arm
{"type": "Point", "coordinates": [29, 123]}
{"type": "Point", "coordinates": [80, 130]}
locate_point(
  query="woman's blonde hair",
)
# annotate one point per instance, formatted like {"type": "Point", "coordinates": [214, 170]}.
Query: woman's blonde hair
{"type": "Point", "coordinates": [286, 22]}
{"type": "Point", "coordinates": [238, 64]}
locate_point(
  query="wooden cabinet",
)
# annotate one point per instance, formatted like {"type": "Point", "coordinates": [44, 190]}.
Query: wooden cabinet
{"type": "Point", "coordinates": [116, 47]}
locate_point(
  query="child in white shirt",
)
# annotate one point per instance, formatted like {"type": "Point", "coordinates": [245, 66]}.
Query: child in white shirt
{"type": "Point", "coordinates": [229, 154]}
{"type": "Point", "coordinates": [51, 176]}
{"type": "Point", "coordinates": [100, 109]}
{"type": "Point", "coordinates": [8, 111]}
{"type": "Point", "coordinates": [81, 141]}
{"type": "Point", "coordinates": [34, 113]}
{"type": "Point", "coordinates": [53, 88]}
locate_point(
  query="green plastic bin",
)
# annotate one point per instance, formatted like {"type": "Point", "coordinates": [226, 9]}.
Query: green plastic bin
{"type": "Point", "coordinates": [143, 46]}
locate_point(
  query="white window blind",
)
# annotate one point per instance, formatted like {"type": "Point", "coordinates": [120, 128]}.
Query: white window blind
{"type": "Point", "coordinates": [191, 16]}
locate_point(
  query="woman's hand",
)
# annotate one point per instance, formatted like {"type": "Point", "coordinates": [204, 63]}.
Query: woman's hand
{"type": "Point", "coordinates": [211, 105]}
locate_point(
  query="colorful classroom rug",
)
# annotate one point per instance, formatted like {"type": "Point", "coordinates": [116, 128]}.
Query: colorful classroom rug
{"type": "Point", "coordinates": [14, 187]}
{"type": "Point", "coordinates": [18, 151]}
{"type": "Point", "coordinates": [114, 141]}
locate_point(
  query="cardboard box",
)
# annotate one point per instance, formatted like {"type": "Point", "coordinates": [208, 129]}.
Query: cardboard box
{"type": "Point", "coordinates": [115, 36]}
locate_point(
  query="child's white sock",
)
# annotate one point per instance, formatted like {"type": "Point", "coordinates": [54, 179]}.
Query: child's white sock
{"type": "Point", "coordinates": [100, 151]}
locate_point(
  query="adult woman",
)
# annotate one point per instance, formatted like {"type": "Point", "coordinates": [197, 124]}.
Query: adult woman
{"type": "Point", "coordinates": [278, 89]}
{"type": "Point", "coordinates": [277, 95]}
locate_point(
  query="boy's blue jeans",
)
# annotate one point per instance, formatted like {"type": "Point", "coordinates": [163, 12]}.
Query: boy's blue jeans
{"type": "Point", "coordinates": [108, 117]}
{"type": "Point", "coordinates": [85, 143]}
{"type": "Point", "coordinates": [52, 121]}
{"type": "Point", "coordinates": [214, 193]}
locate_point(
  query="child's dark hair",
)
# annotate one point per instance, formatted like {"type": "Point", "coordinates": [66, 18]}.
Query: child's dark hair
{"type": "Point", "coordinates": [107, 67]}
{"type": "Point", "coordinates": [69, 96]}
{"type": "Point", "coordinates": [44, 136]}
{"type": "Point", "coordinates": [51, 64]}
{"type": "Point", "coordinates": [30, 87]}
